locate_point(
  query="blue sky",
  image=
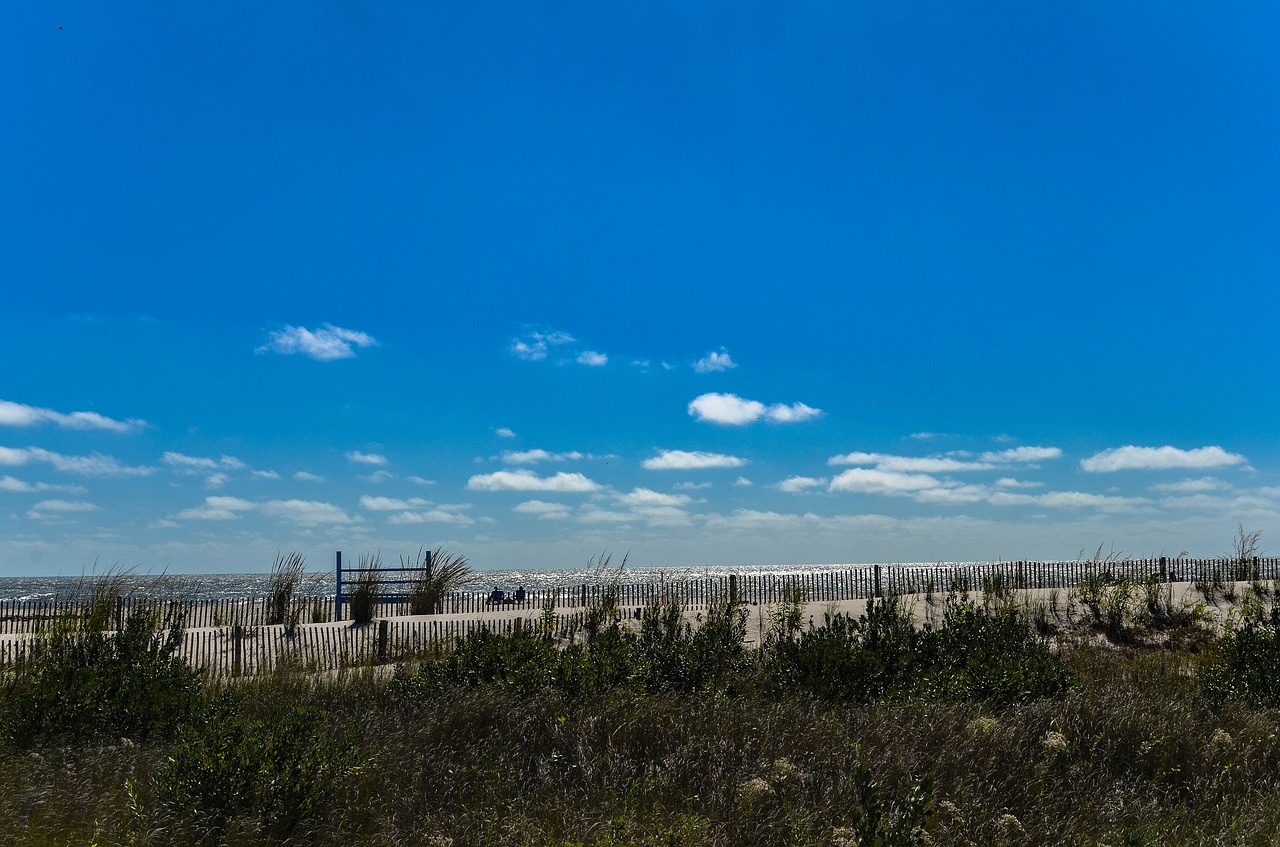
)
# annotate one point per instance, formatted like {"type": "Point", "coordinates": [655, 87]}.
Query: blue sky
{"type": "Point", "coordinates": [711, 282]}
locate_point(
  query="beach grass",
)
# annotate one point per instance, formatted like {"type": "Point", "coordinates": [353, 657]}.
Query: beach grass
{"type": "Point", "coordinates": [663, 736]}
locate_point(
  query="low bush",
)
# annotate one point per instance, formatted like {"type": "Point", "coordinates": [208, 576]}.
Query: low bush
{"type": "Point", "coordinates": [277, 770]}
{"type": "Point", "coordinates": [1245, 664]}
{"type": "Point", "coordinates": [86, 681]}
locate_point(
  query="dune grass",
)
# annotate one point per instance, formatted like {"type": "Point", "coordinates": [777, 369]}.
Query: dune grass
{"type": "Point", "coordinates": [518, 741]}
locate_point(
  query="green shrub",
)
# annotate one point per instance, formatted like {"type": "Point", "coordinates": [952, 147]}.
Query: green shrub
{"type": "Point", "coordinates": [87, 681]}
{"type": "Point", "coordinates": [976, 654]}
{"type": "Point", "coordinates": [1245, 664]}
{"type": "Point", "coordinates": [279, 770]}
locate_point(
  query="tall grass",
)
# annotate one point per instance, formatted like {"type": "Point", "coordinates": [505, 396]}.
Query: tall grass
{"type": "Point", "coordinates": [366, 588]}
{"type": "Point", "coordinates": [660, 736]}
{"type": "Point", "coordinates": [438, 574]}
{"type": "Point", "coordinates": [286, 575]}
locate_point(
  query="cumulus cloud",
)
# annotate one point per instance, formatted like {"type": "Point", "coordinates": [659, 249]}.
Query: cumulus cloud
{"type": "Point", "coordinates": [875, 481]}
{"type": "Point", "coordinates": [265, 475]}
{"type": "Point", "coordinates": [1065, 500]}
{"type": "Point", "coordinates": [742, 482]}
{"type": "Point", "coordinates": [1009, 482]}
{"type": "Point", "coordinates": [526, 480]}
{"type": "Point", "coordinates": [304, 476]}
{"type": "Point", "coordinates": [94, 464]}
{"type": "Point", "coordinates": [1191, 486]}
{"type": "Point", "coordinates": [908, 464]}
{"type": "Point", "coordinates": [305, 512]}
{"type": "Point", "coordinates": [677, 460]}
{"type": "Point", "coordinates": [1159, 458]}
{"type": "Point", "coordinates": [715, 361]}
{"type": "Point", "coordinates": [216, 509]}
{"type": "Point", "coordinates": [504, 432]}
{"type": "Point", "coordinates": [543, 510]}
{"type": "Point", "coordinates": [19, 486]}
{"type": "Point", "coordinates": [649, 497]}
{"type": "Point", "coordinates": [64, 506]}
{"type": "Point", "coordinates": [391, 504]}
{"type": "Point", "coordinates": [196, 464]}
{"type": "Point", "coordinates": [532, 457]}
{"type": "Point", "coordinates": [533, 344]}
{"type": "Point", "coordinates": [20, 414]}
{"type": "Point", "coordinates": [800, 484]}
{"type": "Point", "coordinates": [1022, 454]}
{"type": "Point", "coordinates": [732, 410]}
{"type": "Point", "coordinates": [592, 359]}
{"type": "Point", "coordinates": [326, 344]}
{"type": "Point", "coordinates": [441, 514]}
{"type": "Point", "coordinates": [365, 458]}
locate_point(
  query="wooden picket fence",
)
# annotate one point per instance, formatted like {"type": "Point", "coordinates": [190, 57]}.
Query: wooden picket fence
{"type": "Point", "coordinates": [231, 637]}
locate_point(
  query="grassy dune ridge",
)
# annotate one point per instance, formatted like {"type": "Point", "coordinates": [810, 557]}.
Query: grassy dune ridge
{"type": "Point", "coordinates": [1004, 722]}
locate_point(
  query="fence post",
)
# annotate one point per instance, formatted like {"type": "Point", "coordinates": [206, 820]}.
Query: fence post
{"type": "Point", "coordinates": [733, 589]}
{"type": "Point", "coordinates": [237, 649]}
{"type": "Point", "coordinates": [582, 603]}
{"type": "Point", "coordinates": [878, 594]}
{"type": "Point", "coordinates": [383, 626]}
{"type": "Point", "coordinates": [337, 596]}
{"type": "Point", "coordinates": [1163, 571]}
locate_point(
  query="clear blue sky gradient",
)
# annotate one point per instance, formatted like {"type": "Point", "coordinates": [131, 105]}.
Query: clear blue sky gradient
{"type": "Point", "coordinates": [945, 229]}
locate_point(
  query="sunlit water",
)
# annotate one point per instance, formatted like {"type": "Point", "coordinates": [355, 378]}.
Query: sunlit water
{"type": "Point", "coordinates": [223, 586]}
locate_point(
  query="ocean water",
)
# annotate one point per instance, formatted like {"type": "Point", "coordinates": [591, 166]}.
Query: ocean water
{"type": "Point", "coordinates": [226, 586]}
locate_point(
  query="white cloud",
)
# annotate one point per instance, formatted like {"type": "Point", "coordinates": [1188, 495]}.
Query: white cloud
{"type": "Point", "coordinates": [178, 460]}
{"type": "Point", "coordinates": [216, 509]}
{"type": "Point", "coordinates": [9, 483]}
{"type": "Point", "coordinates": [64, 506]}
{"type": "Point", "coordinates": [95, 464]}
{"type": "Point", "coordinates": [691, 486]}
{"type": "Point", "coordinates": [592, 359]}
{"type": "Point", "coordinates": [378, 476]}
{"type": "Point", "coordinates": [365, 458]}
{"type": "Point", "coordinates": [19, 414]}
{"type": "Point", "coordinates": [1188, 486]}
{"type": "Point", "coordinates": [303, 476]}
{"type": "Point", "coordinates": [504, 432]}
{"type": "Point", "coordinates": [1009, 482]}
{"type": "Point", "coordinates": [1158, 458]}
{"type": "Point", "coordinates": [715, 361]}
{"type": "Point", "coordinates": [594, 514]}
{"type": "Point", "coordinates": [1022, 454]}
{"type": "Point", "coordinates": [265, 475]}
{"type": "Point", "coordinates": [532, 346]}
{"type": "Point", "coordinates": [216, 480]}
{"type": "Point", "coordinates": [908, 464]}
{"type": "Point", "coordinates": [391, 504]}
{"type": "Point", "coordinates": [525, 480]}
{"type": "Point", "coordinates": [960, 494]}
{"type": "Point", "coordinates": [676, 460]}
{"type": "Point", "coordinates": [732, 410]}
{"type": "Point", "coordinates": [305, 512]}
{"type": "Point", "coordinates": [800, 484]}
{"type": "Point", "coordinates": [532, 457]}
{"type": "Point", "coordinates": [327, 344]}
{"type": "Point", "coordinates": [417, 480]}
{"type": "Point", "coordinates": [543, 510]}
{"type": "Point", "coordinates": [1065, 500]}
{"type": "Point", "coordinates": [649, 497]}
{"type": "Point", "coordinates": [743, 482]}
{"type": "Point", "coordinates": [441, 515]}
{"type": "Point", "coordinates": [874, 481]}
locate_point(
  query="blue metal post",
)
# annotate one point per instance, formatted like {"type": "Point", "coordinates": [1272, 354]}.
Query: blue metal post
{"type": "Point", "coordinates": [337, 597]}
